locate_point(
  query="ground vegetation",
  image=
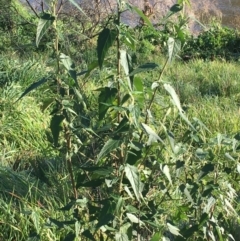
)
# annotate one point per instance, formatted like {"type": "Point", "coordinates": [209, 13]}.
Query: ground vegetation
{"type": "Point", "coordinates": [114, 132]}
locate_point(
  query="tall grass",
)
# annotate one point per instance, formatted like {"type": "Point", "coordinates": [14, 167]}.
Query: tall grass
{"type": "Point", "coordinates": [204, 79]}
{"type": "Point", "coordinates": [24, 126]}
{"type": "Point", "coordinates": [27, 204]}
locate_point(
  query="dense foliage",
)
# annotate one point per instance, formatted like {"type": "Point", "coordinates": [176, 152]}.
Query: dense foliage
{"type": "Point", "coordinates": [105, 136]}
{"type": "Point", "coordinates": [217, 42]}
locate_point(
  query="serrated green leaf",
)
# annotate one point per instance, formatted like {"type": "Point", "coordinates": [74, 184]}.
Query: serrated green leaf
{"type": "Point", "coordinates": [219, 234]}
{"type": "Point", "coordinates": [184, 190]}
{"type": "Point", "coordinates": [173, 229]}
{"type": "Point", "coordinates": [154, 85]}
{"type": "Point", "coordinates": [207, 168]}
{"type": "Point", "coordinates": [79, 97]}
{"type": "Point", "coordinates": [121, 237]}
{"type": "Point", "coordinates": [91, 67]}
{"type": "Point", "coordinates": [211, 202]}
{"type": "Point", "coordinates": [83, 72]}
{"type": "Point", "coordinates": [165, 238]}
{"type": "Point", "coordinates": [176, 101]}
{"type": "Point", "coordinates": [70, 67]}
{"type": "Point", "coordinates": [237, 137]}
{"type": "Point", "coordinates": [133, 156]}
{"type": "Point", "coordinates": [207, 191]}
{"type": "Point", "coordinates": [110, 228]}
{"type": "Point", "coordinates": [166, 171]}
{"type": "Point", "coordinates": [88, 235]}
{"type": "Point", "coordinates": [61, 224]}
{"type": "Point", "coordinates": [129, 40]}
{"type": "Point", "coordinates": [118, 209]}
{"type": "Point", "coordinates": [174, 96]}
{"type": "Point", "coordinates": [45, 21]}
{"type": "Point", "coordinates": [133, 218]}
{"type": "Point", "coordinates": [190, 231]}
{"type": "Point", "coordinates": [153, 137]}
{"type": "Point", "coordinates": [201, 124]}
{"type": "Point", "coordinates": [229, 157]}
{"type": "Point", "coordinates": [105, 40]}
{"type": "Point", "coordinates": [109, 146]}
{"type": "Point", "coordinates": [76, 4]}
{"type": "Point", "coordinates": [93, 183]}
{"type": "Point", "coordinates": [230, 236]}
{"type": "Point", "coordinates": [123, 125]}
{"type": "Point", "coordinates": [140, 14]}
{"type": "Point", "coordinates": [105, 100]}
{"type": "Point", "coordinates": [67, 62]}
{"type": "Point", "coordinates": [127, 229]}
{"type": "Point", "coordinates": [143, 68]}
{"type": "Point", "coordinates": [70, 237]}
{"type": "Point", "coordinates": [211, 235]}
{"type": "Point", "coordinates": [111, 182]}
{"type": "Point", "coordinates": [201, 154]}
{"type": "Point", "coordinates": [188, 195]}
{"type": "Point", "coordinates": [131, 209]}
{"type": "Point", "coordinates": [108, 217]}
{"type": "Point", "coordinates": [174, 47]}
{"type": "Point", "coordinates": [134, 179]}
{"type": "Point", "coordinates": [126, 62]}
{"type": "Point", "coordinates": [46, 103]}
{"type": "Point", "coordinates": [138, 84]}
{"type": "Point", "coordinates": [153, 224]}
{"type": "Point", "coordinates": [174, 9]}
{"type": "Point", "coordinates": [156, 237]}
{"type": "Point", "coordinates": [33, 87]}
{"type": "Point", "coordinates": [125, 98]}
{"type": "Point", "coordinates": [135, 112]}
{"type": "Point", "coordinates": [68, 206]}
{"type": "Point", "coordinates": [82, 202]}
{"type": "Point", "coordinates": [56, 128]}
{"type": "Point", "coordinates": [238, 168]}
{"type": "Point", "coordinates": [203, 220]}
{"type": "Point", "coordinates": [128, 191]}
{"type": "Point", "coordinates": [100, 171]}
{"type": "Point", "coordinates": [171, 139]}
{"type": "Point", "coordinates": [77, 227]}
{"type": "Point", "coordinates": [229, 206]}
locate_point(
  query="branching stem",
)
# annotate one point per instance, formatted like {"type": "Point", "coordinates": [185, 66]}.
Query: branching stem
{"type": "Point", "coordinates": [30, 5]}
{"type": "Point", "coordinates": [153, 96]}
{"type": "Point", "coordinates": [118, 63]}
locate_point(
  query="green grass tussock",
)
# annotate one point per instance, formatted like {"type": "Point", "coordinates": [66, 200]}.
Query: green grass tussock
{"type": "Point", "coordinates": [200, 78]}
{"type": "Point", "coordinates": [24, 125]}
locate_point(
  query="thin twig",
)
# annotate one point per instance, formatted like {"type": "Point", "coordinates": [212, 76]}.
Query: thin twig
{"type": "Point", "coordinates": [60, 7]}
{"type": "Point", "coordinates": [29, 4]}
{"type": "Point", "coordinates": [153, 97]}
{"type": "Point", "coordinates": [118, 62]}
{"type": "Point", "coordinates": [42, 6]}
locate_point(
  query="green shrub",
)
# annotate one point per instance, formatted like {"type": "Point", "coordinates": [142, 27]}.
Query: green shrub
{"type": "Point", "coordinates": [218, 42]}
{"type": "Point", "coordinates": [140, 165]}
